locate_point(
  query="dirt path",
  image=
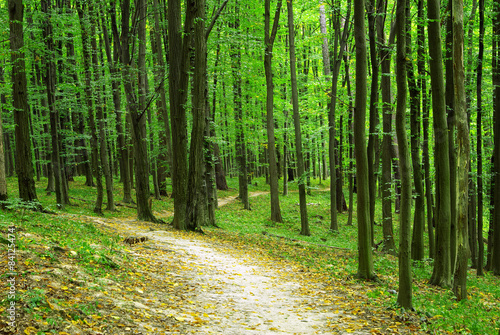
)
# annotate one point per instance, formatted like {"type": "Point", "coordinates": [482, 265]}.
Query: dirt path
{"type": "Point", "coordinates": [217, 288]}
{"type": "Point", "coordinates": [227, 200]}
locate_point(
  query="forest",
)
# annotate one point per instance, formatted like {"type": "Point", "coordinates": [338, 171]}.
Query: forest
{"type": "Point", "coordinates": [368, 128]}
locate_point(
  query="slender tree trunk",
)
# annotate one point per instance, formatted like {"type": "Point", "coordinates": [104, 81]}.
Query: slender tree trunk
{"type": "Point", "coordinates": [425, 125]}
{"type": "Point", "coordinates": [365, 264]}
{"type": "Point", "coordinates": [373, 132]}
{"type": "Point", "coordinates": [197, 210]}
{"type": "Point", "coordinates": [449, 87]}
{"type": "Point", "coordinates": [161, 103]}
{"type": "Point", "coordinates": [273, 169]}
{"type": "Point", "coordinates": [441, 274]}
{"type": "Point", "coordinates": [83, 14]}
{"type": "Point", "coordinates": [178, 85]}
{"type": "Point", "coordinates": [389, 245]}
{"type": "Point", "coordinates": [460, 278]}
{"type": "Point", "coordinates": [479, 142]}
{"type": "Point", "coordinates": [417, 242]}
{"type": "Point", "coordinates": [24, 167]}
{"type": "Point", "coordinates": [495, 224]}
{"type": "Point", "coordinates": [296, 120]}
{"type": "Point", "coordinates": [113, 61]}
{"type": "Point", "coordinates": [3, 180]}
{"type": "Point", "coordinates": [340, 42]}
{"type": "Point", "coordinates": [50, 83]}
{"type": "Point", "coordinates": [405, 275]}
{"type": "Point", "coordinates": [351, 145]}
{"type": "Point", "coordinates": [99, 107]}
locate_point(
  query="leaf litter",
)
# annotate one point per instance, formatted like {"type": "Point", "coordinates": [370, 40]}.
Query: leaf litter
{"type": "Point", "coordinates": [181, 282]}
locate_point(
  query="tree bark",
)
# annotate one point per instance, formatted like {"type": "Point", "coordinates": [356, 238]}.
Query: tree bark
{"type": "Point", "coordinates": [389, 245]}
{"type": "Point", "coordinates": [50, 84]}
{"type": "Point", "coordinates": [99, 107]}
{"type": "Point", "coordinates": [296, 121]}
{"type": "Point", "coordinates": [479, 142]}
{"type": "Point", "coordinates": [340, 42]}
{"type": "Point", "coordinates": [365, 263]}
{"type": "Point", "coordinates": [462, 188]}
{"type": "Point", "coordinates": [123, 152]}
{"type": "Point", "coordinates": [425, 125]}
{"type": "Point", "coordinates": [197, 210]}
{"type": "Point", "coordinates": [441, 274]}
{"type": "Point", "coordinates": [374, 119]}
{"type": "Point", "coordinates": [3, 179]}
{"type": "Point", "coordinates": [405, 275]}
{"type": "Point", "coordinates": [178, 85]}
{"type": "Point", "coordinates": [24, 167]}
{"type": "Point", "coordinates": [495, 225]}
{"type": "Point", "coordinates": [161, 103]}
{"type": "Point", "coordinates": [83, 14]}
{"type": "Point", "coordinates": [417, 242]}
{"type": "Point", "coordinates": [271, 146]}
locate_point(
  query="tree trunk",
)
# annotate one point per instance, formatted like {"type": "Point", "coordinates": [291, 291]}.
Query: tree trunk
{"type": "Point", "coordinates": [123, 153]}
{"type": "Point", "coordinates": [441, 274]}
{"type": "Point", "coordinates": [340, 42]}
{"type": "Point", "coordinates": [451, 134]}
{"type": "Point", "coordinates": [273, 169]}
{"type": "Point", "coordinates": [296, 121]}
{"type": "Point", "coordinates": [24, 167]}
{"type": "Point", "coordinates": [83, 14]}
{"type": "Point", "coordinates": [365, 264]}
{"type": "Point", "coordinates": [374, 119]}
{"type": "Point", "coordinates": [462, 189]}
{"type": "Point", "coordinates": [50, 83]}
{"type": "Point", "coordinates": [197, 210]}
{"type": "Point", "coordinates": [389, 245]}
{"type": "Point", "coordinates": [99, 107]}
{"type": "Point", "coordinates": [405, 275]}
{"type": "Point", "coordinates": [3, 180]}
{"type": "Point", "coordinates": [425, 125]}
{"type": "Point", "coordinates": [417, 242]}
{"type": "Point", "coordinates": [178, 85]}
{"type": "Point", "coordinates": [495, 224]}
{"type": "Point", "coordinates": [161, 103]}
{"type": "Point", "coordinates": [479, 142]}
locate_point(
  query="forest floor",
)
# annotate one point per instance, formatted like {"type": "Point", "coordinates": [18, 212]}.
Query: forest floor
{"type": "Point", "coordinates": [180, 282]}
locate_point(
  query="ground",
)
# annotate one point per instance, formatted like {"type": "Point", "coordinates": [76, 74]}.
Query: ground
{"type": "Point", "coordinates": [167, 281]}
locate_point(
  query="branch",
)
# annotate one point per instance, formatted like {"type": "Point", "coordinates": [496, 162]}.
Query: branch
{"type": "Point", "coordinates": [214, 18]}
{"type": "Point", "coordinates": [275, 23]}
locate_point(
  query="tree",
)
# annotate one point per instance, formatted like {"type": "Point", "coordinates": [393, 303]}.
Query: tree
{"type": "Point", "coordinates": [495, 257]}
{"type": "Point", "coordinates": [479, 142]}
{"type": "Point", "coordinates": [271, 147]}
{"type": "Point", "coordinates": [24, 166]}
{"type": "Point", "coordinates": [197, 211]}
{"type": "Point", "coordinates": [340, 42]}
{"type": "Point", "coordinates": [385, 85]}
{"type": "Point", "coordinates": [365, 264]}
{"type": "Point", "coordinates": [417, 242]}
{"type": "Point", "coordinates": [3, 180]}
{"type": "Point", "coordinates": [441, 274]}
{"type": "Point", "coordinates": [241, 149]}
{"type": "Point", "coordinates": [178, 85]}
{"type": "Point", "coordinates": [83, 14]}
{"type": "Point", "coordinates": [296, 121]}
{"type": "Point", "coordinates": [460, 278]}
{"type": "Point", "coordinates": [405, 275]}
